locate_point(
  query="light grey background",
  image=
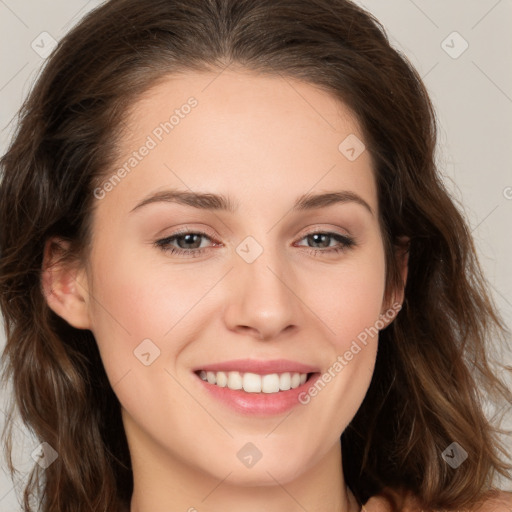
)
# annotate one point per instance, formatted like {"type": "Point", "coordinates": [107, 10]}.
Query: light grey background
{"type": "Point", "coordinates": [471, 91]}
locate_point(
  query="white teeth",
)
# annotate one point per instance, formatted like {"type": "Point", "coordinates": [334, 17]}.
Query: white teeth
{"type": "Point", "coordinates": [222, 379]}
{"type": "Point", "coordinates": [285, 381]}
{"type": "Point", "coordinates": [253, 382]}
{"type": "Point", "coordinates": [234, 380]}
{"type": "Point", "coordinates": [270, 383]}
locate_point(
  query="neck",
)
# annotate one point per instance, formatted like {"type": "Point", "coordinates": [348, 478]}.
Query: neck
{"type": "Point", "coordinates": [162, 482]}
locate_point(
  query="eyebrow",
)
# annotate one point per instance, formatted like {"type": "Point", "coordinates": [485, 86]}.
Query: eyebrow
{"type": "Point", "coordinates": [219, 202]}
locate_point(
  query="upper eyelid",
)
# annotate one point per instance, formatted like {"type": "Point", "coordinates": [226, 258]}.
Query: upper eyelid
{"type": "Point", "coordinates": [186, 231]}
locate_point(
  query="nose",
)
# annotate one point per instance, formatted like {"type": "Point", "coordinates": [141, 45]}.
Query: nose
{"type": "Point", "coordinates": [260, 300]}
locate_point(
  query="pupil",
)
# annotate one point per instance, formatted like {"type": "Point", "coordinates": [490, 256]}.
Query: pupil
{"type": "Point", "coordinates": [189, 239]}
{"type": "Point", "coordinates": [321, 238]}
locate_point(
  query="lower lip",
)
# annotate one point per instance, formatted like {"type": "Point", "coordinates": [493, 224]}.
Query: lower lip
{"type": "Point", "coordinates": [262, 404]}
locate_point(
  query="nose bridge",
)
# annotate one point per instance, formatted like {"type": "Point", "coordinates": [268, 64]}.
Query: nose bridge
{"type": "Point", "coordinates": [260, 299]}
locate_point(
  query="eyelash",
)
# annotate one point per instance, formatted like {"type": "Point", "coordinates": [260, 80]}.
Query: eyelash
{"type": "Point", "coordinates": [164, 244]}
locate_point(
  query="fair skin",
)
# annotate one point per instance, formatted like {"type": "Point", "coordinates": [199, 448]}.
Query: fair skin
{"type": "Point", "coordinates": [263, 142]}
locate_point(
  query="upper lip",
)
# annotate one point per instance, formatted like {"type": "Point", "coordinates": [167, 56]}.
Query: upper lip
{"type": "Point", "coordinates": [259, 366]}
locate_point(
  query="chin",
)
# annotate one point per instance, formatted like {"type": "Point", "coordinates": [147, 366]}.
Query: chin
{"type": "Point", "coordinates": [266, 471]}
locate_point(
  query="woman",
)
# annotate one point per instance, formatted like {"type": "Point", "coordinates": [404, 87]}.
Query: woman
{"type": "Point", "coordinates": [231, 277]}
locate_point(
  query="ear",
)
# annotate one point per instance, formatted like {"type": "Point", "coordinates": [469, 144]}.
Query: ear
{"type": "Point", "coordinates": [391, 310]}
{"type": "Point", "coordinates": [402, 257]}
{"type": "Point", "coordinates": [64, 284]}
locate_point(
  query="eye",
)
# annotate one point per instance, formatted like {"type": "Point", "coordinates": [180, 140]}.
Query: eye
{"type": "Point", "coordinates": [186, 243]}
{"type": "Point", "coordinates": [322, 242]}
{"type": "Point", "coordinates": [195, 243]}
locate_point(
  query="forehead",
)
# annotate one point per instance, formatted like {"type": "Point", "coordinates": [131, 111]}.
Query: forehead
{"type": "Point", "coordinates": [235, 94]}
{"type": "Point", "coordinates": [241, 133]}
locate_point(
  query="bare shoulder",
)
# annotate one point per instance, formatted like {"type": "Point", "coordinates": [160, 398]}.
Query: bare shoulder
{"type": "Point", "coordinates": [497, 501]}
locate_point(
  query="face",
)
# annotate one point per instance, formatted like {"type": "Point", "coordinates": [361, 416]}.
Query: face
{"type": "Point", "coordinates": [267, 270]}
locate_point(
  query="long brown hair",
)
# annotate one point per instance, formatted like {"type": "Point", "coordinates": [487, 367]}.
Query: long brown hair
{"type": "Point", "coordinates": [433, 369]}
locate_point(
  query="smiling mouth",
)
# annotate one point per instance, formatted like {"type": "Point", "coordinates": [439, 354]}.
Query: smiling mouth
{"type": "Point", "coordinates": [254, 382]}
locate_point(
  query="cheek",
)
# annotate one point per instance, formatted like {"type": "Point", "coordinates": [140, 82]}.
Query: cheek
{"type": "Point", "coordinates": [348, 297]}
{"type": "Point", "coordinates": [349, 303]}
{"type": "Point", "coordinates": [134, 299]}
